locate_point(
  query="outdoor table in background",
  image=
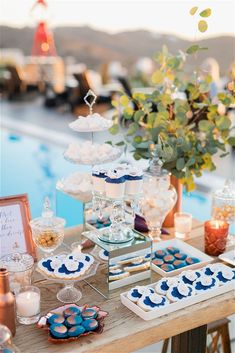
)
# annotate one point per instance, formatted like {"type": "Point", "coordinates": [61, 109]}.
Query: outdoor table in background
{"type": "Point", "coordinates": [124, 331]}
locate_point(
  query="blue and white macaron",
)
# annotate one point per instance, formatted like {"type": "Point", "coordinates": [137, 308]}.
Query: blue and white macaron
{"type": "Point", "coordinates": [76, 331]}
{"type": "Point", "coordinates": [180, 291]}
{"type": "Point", "coordinates": [152, 301]}
{"type": "Point", "coordinates": [90, 324]}
{"type": "Point", "coordinates": [205, 283]}
{"type": "Point", "coordinates": [189, 277]}
{"type": "Point", "coordinates": [164, 284]}
{"type": "Point", "coordinates": [58, 330]}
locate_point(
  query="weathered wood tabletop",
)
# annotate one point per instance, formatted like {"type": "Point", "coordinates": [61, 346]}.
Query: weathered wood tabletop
{"type": "Point", "coordinates": [124, 331]}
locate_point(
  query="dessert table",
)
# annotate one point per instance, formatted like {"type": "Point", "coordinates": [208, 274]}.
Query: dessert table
{"type": "Point", "coordinates": [124, 331]}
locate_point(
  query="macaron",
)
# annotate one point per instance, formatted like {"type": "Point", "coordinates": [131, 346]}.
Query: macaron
{"type": "Point", "coordinates": [179, 263]}
{"type": "Point", "coordinates": [72, 310]}
{"type": "Point", "coordinates": [56, 319]}
{"type": "Point", "coordinates": [180, 256]}
{"type": "Point", "coordinates": [76, 331]}
{"type": "Point", "coordinates": [169, 259]}
{"type": "Point", "coordinates": [73, 320]}
{"type": "Point", "coordinates": [160, 253]}
{"type": "Point", "coordinates": [59, 330]}
{"type": "Point", "coordinates": [172, 250]}
{"type": "Point", "coordinates": [90, 324]}
{"type": "Point", "coordinates": [192, 260]}
{"type": "Point", "coordinates": [158, 262]}
{"type": "Point", "coordinates": [167, 267]}
{"type": "Point", "coordinates": [89, 314]}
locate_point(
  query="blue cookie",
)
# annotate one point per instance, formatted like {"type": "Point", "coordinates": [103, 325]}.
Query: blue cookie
{"type": "Point", "coordinates": [90, 324]}
{"type": "Point", "coordinates": [192, 260]}
{"type": "Point", "coordinates": [172, 250]}
{"type": "Point", "coordinates": [72, 310]}
{"type": "Point", "coordinates": [56, 319]}
{"type": "Point", "coordinates": [167, 267]}
{"type": "Point", "coordinates": [169, 259]}
{"type": "Point", "coordinates": [73, 320]}
{"type": "Point", "coordinates": [76, 331]}
{"type": "Point", "coordinates": [59, 330]}
{"type": "Point", "coordinates": [180, 256]}
{"type": "Point", "coordinates": [89, 314]}
{"type": "Point", "coordinates": [160, 254]}
{"type": "Point", "coordinates": [179, 263]}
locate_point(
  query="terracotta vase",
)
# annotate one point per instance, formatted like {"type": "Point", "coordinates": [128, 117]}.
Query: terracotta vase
{"type": "Point", "coordinates": [169, 220]}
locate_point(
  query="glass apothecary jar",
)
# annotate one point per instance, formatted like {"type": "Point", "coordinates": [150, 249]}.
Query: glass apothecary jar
{"type": "Point", "coordinates": [159, 197]}
{"type": "Point", "coordinates": [20, 268]}
{"type": "Point", "coordinates": [223, 206]}
{"type": "Point", "coordinates": [47, 230]}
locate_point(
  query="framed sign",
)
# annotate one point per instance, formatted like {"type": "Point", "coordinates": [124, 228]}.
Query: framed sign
{"type": "Point", "coordinates": [16, 235]}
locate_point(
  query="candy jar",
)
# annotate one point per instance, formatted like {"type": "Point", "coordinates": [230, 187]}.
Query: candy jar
{"type": "Point", "coordinates": [159, 197]}
{"type": "Point", "coordinates": [47, 230]}
{"type": "Point", "coordinates": [223, 207]}
{"type": "Point", "coordinates": [6, 344]}
{"type": "Point", "coordinates": [20, 269]}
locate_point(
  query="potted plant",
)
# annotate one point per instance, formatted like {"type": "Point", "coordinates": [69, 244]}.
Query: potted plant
{"type": "Point", "coordinates": [178, 118]}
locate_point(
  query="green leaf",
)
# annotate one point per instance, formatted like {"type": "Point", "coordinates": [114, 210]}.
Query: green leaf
{"type": "Point", "coordinates": [138, 139]}
{"type": "Point", "coordinates": [222, 122]}
{"type": "Point", "coordinates": [205, 125]}
{"type": "Point", "coordinates": [231, 141]}
{"type": "Point", "coordinates": [204, 87]}
{"type": "Point", "coordinates": [193, 10]}
{"type": "Point", "coordinates": [109, 143]}
{"type": "Point", "coordinates": [139, 96]}
{"type": "Point", "coordinates": [121, 143]}
{"type": "Point", "coordinates": [114, 103]}
{"type": "Point", "coordinates": [158, 77]}
{"type": "Point", "coordinates": [180, 163]}
{"type": "Point", "coordinates": [137, 156]}
{"type": "Point", "coordinates": [124, 100]}
{"type": "Point", "coordinates": [194, 48]}
{"type": "Point", "coordinates": [114, 129]}
{"type": "Point", "coordinates": [173, 63]}
{"type": "Point", "coordinates": [128, 113]}
{"type": "Point", "coordinates": [205, 13]}
{"type": "Point", "coordinates": [202, 26]}
{"type": "Point", "coordinates": [190, 162]}
{"type": "Point", "coordinates": [133, 127]}
{"type": "Point", "coordinates": [138, 115]}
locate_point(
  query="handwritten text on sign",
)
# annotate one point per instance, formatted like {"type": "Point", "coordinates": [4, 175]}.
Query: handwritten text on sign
{"type": "Point", "coordinates": [12, 237]}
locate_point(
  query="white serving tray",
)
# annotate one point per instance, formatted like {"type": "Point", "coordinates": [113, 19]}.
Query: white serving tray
{"type": "Point", "coordinates": [150, 315]}
{"type": "Point", "coordinates": [228, 257]}
{"type": "Point", "coordinates": [185, 248]}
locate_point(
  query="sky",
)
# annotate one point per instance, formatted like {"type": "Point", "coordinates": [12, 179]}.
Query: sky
{"type": "Point", "coordinates": [115, 16]}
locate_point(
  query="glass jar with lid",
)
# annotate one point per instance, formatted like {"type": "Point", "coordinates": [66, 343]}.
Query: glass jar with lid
{"type": "Point", "coordinates": [223, 206]}
{"type": "Point", "coordinates": [159, 197]}
{"type": "Point", "coordinates": [20, 269]}
{"type": "Point", "coordinates": [47, 230]}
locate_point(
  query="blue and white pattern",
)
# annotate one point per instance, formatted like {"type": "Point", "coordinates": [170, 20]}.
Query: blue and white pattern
{"type": "Point", "coordinates": [164, 284]}
{"type": "Point", "coordinates": [152, 301]}
{"type": "Point", "coordinates": [179, 292]}
{"type": "Point", "coordinates": [205, 283]}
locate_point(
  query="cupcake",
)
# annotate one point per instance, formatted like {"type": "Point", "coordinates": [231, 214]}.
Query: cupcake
{"type": "Point", "coordinates": [164, 284]}
{"type": "Point", "coordinates": [134, 181]}
{"type": "Point", "coordinates": [180, 291]}
{"type": "Point", "coordinates": [152, 301]}
{"type": "Point", "coordinates": [98, 179]}
{"type": "Point", "coordinates": [205, 283]}
{"type": "Point", "coordinates": [189, 277]}
{"type": "Point", "coordinates": [225, 275]}
{"type": "Point", "coordinates": [115, 184]}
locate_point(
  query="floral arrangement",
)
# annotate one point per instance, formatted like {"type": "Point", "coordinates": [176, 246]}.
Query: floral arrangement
{"type": "Point", "coordinates": [178, 119]}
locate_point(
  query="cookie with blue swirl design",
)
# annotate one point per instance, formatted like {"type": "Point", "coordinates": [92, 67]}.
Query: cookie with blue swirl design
{"type": "Point", "coordinates": [152, 301]}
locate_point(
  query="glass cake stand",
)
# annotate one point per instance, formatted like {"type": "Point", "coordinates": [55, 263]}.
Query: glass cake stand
{"type": "Point", "coordinates": [70, 294]}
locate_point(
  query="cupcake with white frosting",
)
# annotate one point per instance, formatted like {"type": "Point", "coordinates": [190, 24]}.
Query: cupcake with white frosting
{"type": "Point", "coordinates": [115, 184]}
{"type": "Point", "coordinates": [134, 181]}
{"type": "Point", "coordinates": [98, 179]}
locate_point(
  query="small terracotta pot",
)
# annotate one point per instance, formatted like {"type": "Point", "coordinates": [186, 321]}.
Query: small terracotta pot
{"type": "Point", "coordinates": [169, 220]}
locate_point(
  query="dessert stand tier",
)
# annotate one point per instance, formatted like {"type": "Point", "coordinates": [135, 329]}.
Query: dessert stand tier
{"type": "Point", "coordinates": [70, 294]}
{"type": "Point", "coordinates": [108, 159]}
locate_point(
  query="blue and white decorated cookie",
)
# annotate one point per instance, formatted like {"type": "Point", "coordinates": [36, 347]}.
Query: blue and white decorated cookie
{"type": "Point", "coordinates": [59, 330]}
{"type": "Point", "coordinates": [164, 284]}
{"type": "Point", "coordinates": [152, 301]}
{"type": "Point", "coordinates": [180, 256]}
{"type": "Point", "coordinates": [76, 331]}
{"type": "Point", "coordinates": [172, 250]}
{"type": "Point", "coordinates": [104, 254]}
{"type": "Point", "coordinates": [136, 293]}
{"type": "Point", "coordinates": [189, 277]}
{"type": "Point", "coordinates": [131, 259]}
{"type": "Point", "coordinates": [137, 266]}
{"type": "Point", "coordinates": [179, 292]}
{"type": "Point", "coordinates": [213, 269]}
{"type": "Point", "coordinates": [114, 275]}
{"type": "Point", "coordinates": [113, 267]}
{"type": "Point", "coordinates": [90, 324]}
{"type": "Point", "coordinates": [147, 257]}
{"type": "Point", "coordinates": [205, 283]}
{"type": "Point", "coordinates": [225, 275]}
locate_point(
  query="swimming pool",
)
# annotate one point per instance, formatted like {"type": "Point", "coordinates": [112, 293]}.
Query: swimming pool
{"type": "Point", "coordinates": [31, 166]}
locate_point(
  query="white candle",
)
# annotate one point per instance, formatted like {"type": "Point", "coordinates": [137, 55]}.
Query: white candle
{"type": "Point", "coordinates": [183, 224]}
{"type": "Point", "coordinates": [28, 304]}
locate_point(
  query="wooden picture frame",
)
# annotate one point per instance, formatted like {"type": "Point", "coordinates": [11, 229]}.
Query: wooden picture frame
{"type": "Point", "coordinates": [16, 233]}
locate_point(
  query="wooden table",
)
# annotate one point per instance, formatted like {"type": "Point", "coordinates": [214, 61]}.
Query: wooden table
{"type": "Point", "coordinates": [125, 332]}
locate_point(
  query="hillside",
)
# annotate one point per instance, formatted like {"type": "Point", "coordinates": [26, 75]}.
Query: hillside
{"type": "Point", "coordinates": [95, 47]}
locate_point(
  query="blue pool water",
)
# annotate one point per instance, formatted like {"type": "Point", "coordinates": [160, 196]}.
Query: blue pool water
{"type": "Point", "coordinates": [31, 166]}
